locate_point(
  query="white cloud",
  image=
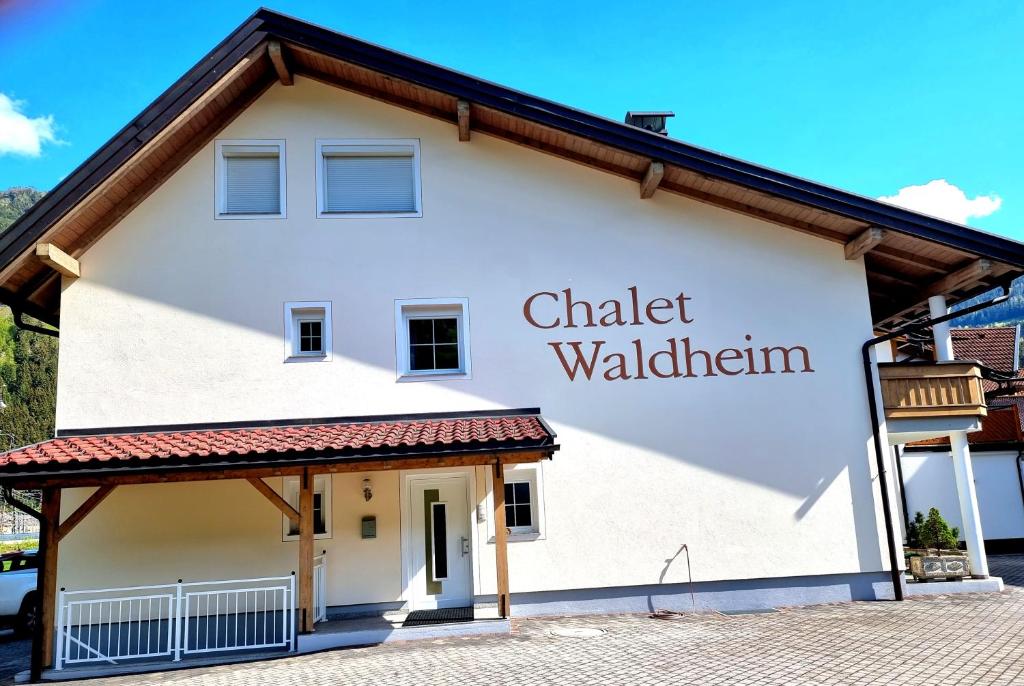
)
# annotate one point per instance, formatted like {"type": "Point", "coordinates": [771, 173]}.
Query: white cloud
{"type": "Point", "coordinates": [21, 134]}
{"type": "Point", "coordinates": [940, 198]}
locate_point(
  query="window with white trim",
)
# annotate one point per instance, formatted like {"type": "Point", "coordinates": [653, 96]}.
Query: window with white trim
{"type": "Point", "coordinates": [307, 331]}
{"type": "Point", "coordinates": [368, 178]}
{"type": "Point", "coordinates": [524, 503]}
{"type": "Point", "coordinates": [250, 179]}
{"type": "Point", "coordinates": [321, 506]}
{"type": "Point", "coordinates": [432, 338]}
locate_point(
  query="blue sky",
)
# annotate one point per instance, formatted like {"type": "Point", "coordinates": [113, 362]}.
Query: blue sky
{"type": "Point", "coordinates": [872, 97]}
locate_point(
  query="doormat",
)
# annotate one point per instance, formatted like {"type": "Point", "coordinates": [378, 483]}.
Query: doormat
{"type": "Point", "coordinates": [445, 616]}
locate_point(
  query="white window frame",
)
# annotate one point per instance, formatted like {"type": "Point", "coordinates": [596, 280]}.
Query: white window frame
{"type": "Point", "coordinates": [534, 475]}
{"type": "Point", "coordinates": [297, 311]}
{"type": "Point", "coordinates": [431, 308]}
{"type": "Point", "coordinates": [370, 145]}
{"type": "Point", "coordinates": [220, 170]}
{"type": "Point", "coordinates": [290, 487]}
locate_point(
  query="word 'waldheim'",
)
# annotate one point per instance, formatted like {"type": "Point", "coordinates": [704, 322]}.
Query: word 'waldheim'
{"type": "Point", "coordinates": [671, 359]}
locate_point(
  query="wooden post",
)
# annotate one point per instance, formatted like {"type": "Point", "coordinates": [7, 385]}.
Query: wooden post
{"type": "Point", "coordinates": [47, 582]}
{"type": "Point", "coordinates": [306, 551]}
{"type": "Point", "coordinates": [501, 541]}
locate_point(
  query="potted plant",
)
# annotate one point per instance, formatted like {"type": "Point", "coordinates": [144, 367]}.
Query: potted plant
{"type": "Point", "coordinates": [934, 533]}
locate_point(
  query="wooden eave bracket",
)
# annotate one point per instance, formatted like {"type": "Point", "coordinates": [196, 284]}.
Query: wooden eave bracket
{"type": "Point", "coordinates": [276, 53]}
{"type": "Point", "coordinates": [652, 179]}
{"type": "Point", "coordinates": [864, 242]}
{"type": "Point", "coordinates": [55, 258]}
{"type": "Point", "coordinates": [279, 502]}
{"type": "Point", "coordinates": [75, 518]}
{"type": "Point", "coordinates": [463, 112]}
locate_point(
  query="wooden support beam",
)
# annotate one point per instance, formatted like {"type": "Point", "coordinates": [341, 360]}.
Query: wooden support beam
{"type": "Point", "coordinates": [962, 277]}
{"type": "Point", "coordinates": [276, 53]}
{"type": "Point", "coordinates": [652, 179]}
{"type": "Point", "coordinates": [306, 552]}
{"type": "Point", "coordinates": [463, 109]}
{"type": "Point", "coordinates": [864, 242]}
{"type": "Point", "coordinates": [501, 540]}
{"type": "Point", "coordinates": [83, 510]}
{"type": "Point", "coordinates": [47, 582]}
{"type": "Point", "coordinates": [278, 502]}
{"type": "Point", "coordinates": [55, 258]}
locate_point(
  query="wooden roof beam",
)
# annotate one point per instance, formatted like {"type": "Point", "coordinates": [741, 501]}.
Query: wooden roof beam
{"type": "Point", "coordinates": [652, 179]}
{"type": "Point", "coordinates": [463, 112]}
{"type": "Point", "coordinates": [55, 258]}
{"type": "Point", "coordinates": [276, 53]}
{"type": "Point", "coordinates": [864, 242]}
{"type": "Point", "coordinates": [973, 272]}
{"type": "Point", "coordinates": [76, 517]}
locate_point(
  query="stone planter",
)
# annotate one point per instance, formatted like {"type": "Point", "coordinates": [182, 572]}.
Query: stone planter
{"type": "Point", "coordinates": [949, 567]}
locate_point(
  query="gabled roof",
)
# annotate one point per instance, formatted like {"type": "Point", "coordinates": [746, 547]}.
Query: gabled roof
{"type": "Point", "coordinates": [913, 257]}
{"type": "Point", "coordinates": [282, 443]}
{"type": "Point", "coordinates": [994, 347]}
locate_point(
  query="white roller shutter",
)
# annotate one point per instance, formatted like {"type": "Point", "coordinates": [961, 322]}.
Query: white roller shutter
{"type": "Point", "coordinates": [382, 182]}
{"type": "Point", "coordinates": [252, 184]}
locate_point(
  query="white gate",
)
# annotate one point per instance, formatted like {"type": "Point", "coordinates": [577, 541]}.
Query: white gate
{"type": "Point", "coordinates": [171, 620]}
{"type": "Point", "coordinates": [320, 587]}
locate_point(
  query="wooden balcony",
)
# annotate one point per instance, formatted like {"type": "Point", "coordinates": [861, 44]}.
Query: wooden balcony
{"type": "Point", "coordinates": [931, 390]}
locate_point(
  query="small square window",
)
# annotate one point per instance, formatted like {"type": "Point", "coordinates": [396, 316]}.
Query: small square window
{"type": "Point", "coordinates": [524, 502]}
{"type": "Point", "coordinates": [432, 336]}
{"type": "Point", "coordinates": [518, 505]}
{"type": "Point", "coordinates": [250, 179]}
{"type": "Point", "coordinates": [307, 328]}
{"type": "Point", "coordinates": [375, 178]}
{"type": "Point", "coordinates": [321, 506]}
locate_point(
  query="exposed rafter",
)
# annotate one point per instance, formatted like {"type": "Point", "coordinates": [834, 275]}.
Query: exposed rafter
{"type": "Point", "coordinates": [57, 259]}
{"type": "Point", "coordinates": [463, 110]}
{"type": "Point", "coordinates": [276, 53]}
{"type": "Point", "coordinates": [652, 179]}
{"type": "Point", "coordinates": [864, 243]}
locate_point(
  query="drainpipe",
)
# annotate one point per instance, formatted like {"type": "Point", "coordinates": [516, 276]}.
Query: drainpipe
{"type": "Point", "coordinates": [36, 665]}
{"type": "Point", "coordinates": [22, 324]}
{"type": "Point", "coordinates": [869, 383]}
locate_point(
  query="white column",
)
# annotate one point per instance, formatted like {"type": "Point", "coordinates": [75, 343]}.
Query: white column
{"type": "Point", "coordinates": [963, 472]}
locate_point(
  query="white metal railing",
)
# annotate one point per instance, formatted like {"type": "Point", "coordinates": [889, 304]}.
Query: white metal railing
{"type": "Point", "coordinates": [171, 620]}
{"type": "Point", "coordinates": [320, 587]}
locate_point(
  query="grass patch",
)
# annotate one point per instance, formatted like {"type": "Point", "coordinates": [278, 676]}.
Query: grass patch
{"type": "Point", "coordinates": [25, 544]}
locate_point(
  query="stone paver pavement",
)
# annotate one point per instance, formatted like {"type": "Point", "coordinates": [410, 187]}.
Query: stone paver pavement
{"type": "Point", "coordinates": [966, 639]}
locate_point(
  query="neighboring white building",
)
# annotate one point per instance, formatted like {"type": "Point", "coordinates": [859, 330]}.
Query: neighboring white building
{"type": "Point", "coordinates": [304, 297]}
{"type": "Point", "coordinates": [997, 451]}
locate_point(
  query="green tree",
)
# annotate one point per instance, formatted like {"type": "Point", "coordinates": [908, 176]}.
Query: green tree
{"type": "Point", "coordinates": [936, 533]}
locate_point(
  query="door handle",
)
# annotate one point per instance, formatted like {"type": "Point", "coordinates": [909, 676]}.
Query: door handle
{"type": "Point", "coordinates": [464, 545]}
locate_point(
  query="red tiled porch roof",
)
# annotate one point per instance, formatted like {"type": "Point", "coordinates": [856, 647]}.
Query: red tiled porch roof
{"type": "Point", "coordinates": [327, 440]}
{"type": "Point", "coordinates": [994, 347]}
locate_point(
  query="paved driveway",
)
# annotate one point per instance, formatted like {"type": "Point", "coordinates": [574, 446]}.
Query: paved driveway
{"type": "Point", "coordinates": [967, 639]}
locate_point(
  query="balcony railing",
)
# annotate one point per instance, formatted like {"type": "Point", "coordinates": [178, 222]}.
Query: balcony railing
{"type": "Point", "coordinates": [915, 390]}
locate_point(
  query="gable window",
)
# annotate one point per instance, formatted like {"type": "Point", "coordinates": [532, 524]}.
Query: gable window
{"type": "Point", "coordinates": [432, 338]}
{"type": "Point", "coordinates": [307, 331]}
{"type": "Point", "coordinates": [250, 179]}
{"type": "Point", "coordinates": [378, 178]}
{"type": "Point", "coordinates": [321, 506]}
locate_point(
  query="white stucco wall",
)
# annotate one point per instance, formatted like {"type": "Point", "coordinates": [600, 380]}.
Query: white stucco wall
{"type": "Point", "coordinates": [178, 318]}
{"type": "Point", "coordinates": [928, 480]}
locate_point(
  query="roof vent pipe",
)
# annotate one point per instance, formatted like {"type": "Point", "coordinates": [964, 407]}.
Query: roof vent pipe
{"type": "Point", "coordinates": [650, 121]}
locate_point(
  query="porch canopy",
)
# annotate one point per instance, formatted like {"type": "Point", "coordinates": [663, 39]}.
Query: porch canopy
{"type": "Point", "coordinates": [107, 458]}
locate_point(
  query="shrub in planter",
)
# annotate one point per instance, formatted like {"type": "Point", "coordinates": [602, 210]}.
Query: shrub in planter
{"type": "Point", "coordinates": [935, 532]}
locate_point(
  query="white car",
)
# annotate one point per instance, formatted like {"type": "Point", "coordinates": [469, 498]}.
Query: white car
{"type": "Point", "coordinates": [18, 571]}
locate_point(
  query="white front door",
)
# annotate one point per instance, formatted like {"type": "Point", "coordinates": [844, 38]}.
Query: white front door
{"type": "Point", "coordinates": [440, 554]}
